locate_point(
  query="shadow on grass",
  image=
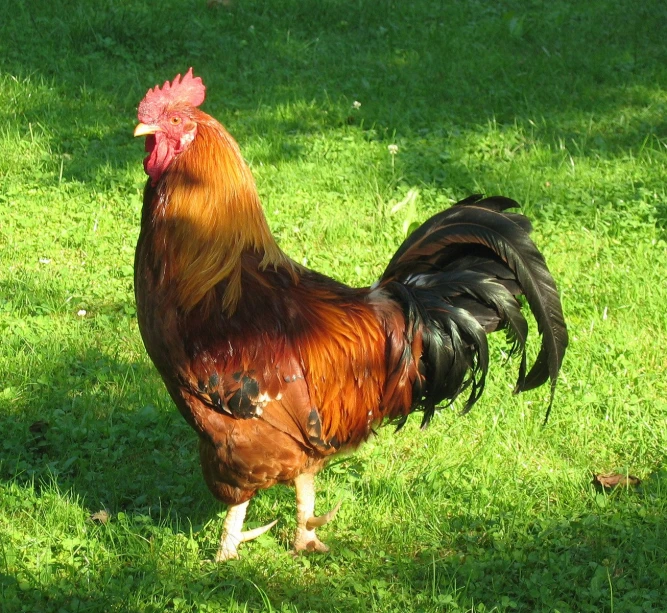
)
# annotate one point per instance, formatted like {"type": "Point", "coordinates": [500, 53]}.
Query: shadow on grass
{"type": "Point", "coordinates": [589, 562]}
{"type": "Point", "coordinates": [90, 430]}
{"type": "Point", "coordinates": [584, 77]}
{"type": "Point", "coordinates": [81, 416]}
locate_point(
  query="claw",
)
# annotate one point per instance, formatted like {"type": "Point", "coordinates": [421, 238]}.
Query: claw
{"type": "Point", "coordinates": [249, 535]}
{"type": "Point", "coordinates": [322, 520]}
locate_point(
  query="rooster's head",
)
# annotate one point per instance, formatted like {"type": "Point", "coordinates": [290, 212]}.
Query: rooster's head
{"type": "Point", "coordinates": [167, 119]}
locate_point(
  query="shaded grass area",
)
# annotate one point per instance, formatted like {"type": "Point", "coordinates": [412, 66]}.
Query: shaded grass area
{"type": "Point", "coordinates": [561, 107]}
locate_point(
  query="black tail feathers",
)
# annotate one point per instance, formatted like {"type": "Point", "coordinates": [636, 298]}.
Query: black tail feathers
{"type": "Point", "coordinates": [457, 278]}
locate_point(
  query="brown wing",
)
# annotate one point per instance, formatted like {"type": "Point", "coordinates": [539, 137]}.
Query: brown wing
{"type": "Point", "coordinates": [270, 389]}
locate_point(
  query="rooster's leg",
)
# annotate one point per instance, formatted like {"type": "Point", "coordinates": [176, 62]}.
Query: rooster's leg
{"type": "Point", "coordinates": [232, 532]}
{"type": "Point", "coordinates": [305, 539]}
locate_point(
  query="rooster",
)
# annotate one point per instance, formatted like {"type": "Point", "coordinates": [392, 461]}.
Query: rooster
{"type": "Point", "coordinates": [279, 368]}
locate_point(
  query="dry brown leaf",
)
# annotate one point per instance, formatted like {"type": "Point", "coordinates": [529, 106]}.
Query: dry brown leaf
{"type": "Point", "coordinates": [611, 480]}
{"type": "Point", "coordinates": [101, 516]}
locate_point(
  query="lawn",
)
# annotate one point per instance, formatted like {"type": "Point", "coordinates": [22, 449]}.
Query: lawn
{"type": "Point", "coordinates": [559, 105]}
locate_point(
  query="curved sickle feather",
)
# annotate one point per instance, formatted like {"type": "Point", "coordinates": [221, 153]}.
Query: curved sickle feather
{"type": "Point", "coordinates": [444, 246]}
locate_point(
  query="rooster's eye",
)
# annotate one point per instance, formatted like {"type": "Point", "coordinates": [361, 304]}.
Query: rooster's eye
{"type": "Point", "coordinates": [175, 121]}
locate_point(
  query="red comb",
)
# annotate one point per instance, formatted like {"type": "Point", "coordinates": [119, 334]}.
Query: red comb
{"type": "Point", "coordinates": [187, 90]}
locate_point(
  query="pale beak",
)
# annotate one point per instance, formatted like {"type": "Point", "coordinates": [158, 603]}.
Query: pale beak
{"type": "Point", "coordinates": [143, 129]}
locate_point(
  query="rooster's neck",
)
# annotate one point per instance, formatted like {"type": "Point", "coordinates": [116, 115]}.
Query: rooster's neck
{"type": "Point", "coordinates": [208, 214]}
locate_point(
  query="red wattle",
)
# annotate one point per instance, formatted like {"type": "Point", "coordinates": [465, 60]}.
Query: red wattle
{"type": "Point", "coordinates": [160, 154]}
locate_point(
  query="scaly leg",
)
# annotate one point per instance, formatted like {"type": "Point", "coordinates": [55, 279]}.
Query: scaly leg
{"type": "Point", "coordinates": [305, 539]}
{"type": "Point", "coordinates": [232, 532]}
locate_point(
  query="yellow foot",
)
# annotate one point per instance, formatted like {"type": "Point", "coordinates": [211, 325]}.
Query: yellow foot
{"type": "Point", "coordinates": [307, 522]}
{"type": "Point", "coordinates": [233, 536]}
{"type": "Point", "coordinates": [226, 551]}
{"type": "Point", "coordinates": [306, 540]}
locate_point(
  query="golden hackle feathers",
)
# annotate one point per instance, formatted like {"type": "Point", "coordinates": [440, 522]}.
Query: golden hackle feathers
{"type": "Point", "coordinates": [210, 214]}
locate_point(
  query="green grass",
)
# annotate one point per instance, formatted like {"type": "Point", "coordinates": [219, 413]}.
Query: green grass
{"type": "Point", "coordinates": [561, 106]}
